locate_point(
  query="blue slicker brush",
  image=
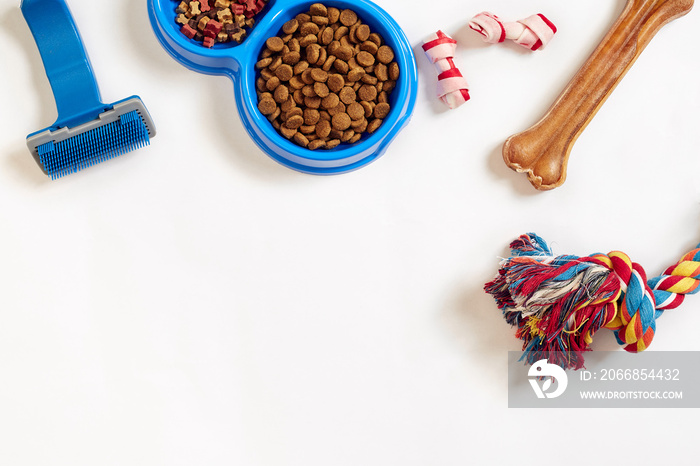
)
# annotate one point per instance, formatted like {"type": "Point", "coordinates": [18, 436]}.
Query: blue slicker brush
{"type": "Point", "coordinates": [86, 131]}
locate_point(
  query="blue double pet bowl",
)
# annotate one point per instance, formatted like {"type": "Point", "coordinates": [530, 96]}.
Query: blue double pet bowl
{"type": "Point", "coordinates": [237, 61]}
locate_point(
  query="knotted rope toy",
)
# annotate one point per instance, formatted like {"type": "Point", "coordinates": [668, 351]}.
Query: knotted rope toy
{"type": "Point", "coordinates": [558, 303]}
{"type": "Point", "coordinates": [452, 88]}
{"type": "Point", "coordinates": [533, 32]}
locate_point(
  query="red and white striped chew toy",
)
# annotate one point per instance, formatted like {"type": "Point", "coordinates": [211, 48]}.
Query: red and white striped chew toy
{"type": "Point", "coordinates": [533, 32]}
{"type": "Point", "coordinates": [452, 88]}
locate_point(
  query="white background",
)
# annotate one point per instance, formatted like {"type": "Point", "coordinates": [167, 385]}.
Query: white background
{"type": "Point", "coordinates": [195, 303]}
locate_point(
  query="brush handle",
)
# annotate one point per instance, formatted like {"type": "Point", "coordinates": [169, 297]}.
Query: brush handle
{"type": "Point", "coordinates": [65, 61]}
{"type": "Point", "coordinates": [543, 150]}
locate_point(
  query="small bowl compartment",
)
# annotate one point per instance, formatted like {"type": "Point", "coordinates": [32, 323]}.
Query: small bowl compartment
{"type": "Point", "coordinates": [171, 15]}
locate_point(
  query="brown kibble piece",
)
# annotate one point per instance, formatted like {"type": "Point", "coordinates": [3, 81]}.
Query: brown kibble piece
{"type": "Point", "coordinates": [309, 28]}
{"type": "Point", "coordinates": [276, 63]}
{"type": "Point", "coordinates": [291, 26]}
{"type": "Point", "coordinates": [367, 79]}
{"type": "Point", "coordinates": [347, 95]}
{"type": "Point", "coordinates": [311, 116]}
{"type": "Point", "coordinates": [323, 128]}
{"type": "Point", "coordinates": [318, 9]}
{"type": "Point", "coordinates": [374, 125]}
{"type": "Point", "coordinates": [294, 122]}
{"type": "Point", "coordinates": [367, 92]}
{"type": "Point", "coordinates": [360, 126]}
{"type": "Point", "coordinates": [326, 36]}
{"type": "Point", "coordinates": [301, 139]}
{"type": "Point", "coordinates": [281, 94]}
{"type": "Point", "coordinates": [341, 66]}
{"type": "Point", "coordinates": [341, 32]}
{"type": "Point", "coordinates": [317, 144]}
{"type": "Point", "coordinates": [320, 20]}
{"type": "Point", "coordinates": [394, 71]}
{"type": "Point", "coordinates": [341, 121]}
{"type": "Point", "coordinates": [306, 76]}
{"type": "Point", "coordinates": [313, 53]}
{"type": "Point", "coordinates": [267, 106]}
{"type": "Point", "coordinates": [312, 102]}
{"type": "Point", "coordinates": [340, 108]}
{"type": "Point", "coordinates": [332, 144]}
{"type": "Point", "coordinates": [322, 57]}
{"type": "Point", "coordinates": [308, 90]}
{"type": "Point", "coordinates": [291, 58]}
{"type": "Point", "coordinates": [356, 74]}
{"type": "Point", "coordinates": [381, 110]}
{"type": "Point", "coordinates": [369, 109]}
{"type": "Point", "coordinates": [362, 32]}
{"type": "Point", "coordinates": [296, 82]}
{"type": "Point", "coordinates": [264, 63]}
{"type": "Point", "coordinates": [287, 132]}
{"type": "Point", "coordinates": [294, 112]}
{"type": "Point", "coordinates": [288, 105]}
{"type": "Point", "coordinates": [369, 46]}
{"type": "Point", "coordinates": [275, 44]}
{"type": "Point", "coordinates": [355, 111]}
{"type": "Point", "coordinates": [347, 135]}
{"type": "Point", "coordinates": [333, 15]}
{"type": "Point", "coordinates": [318, 75]}
{"type": "Point", "coordinates": [308, 40]}
{"type": "Point", "coordinates": [321, 90]}
{"type": "Point", "coordinates": [364, 59]}
{"type": "Point", "coordinates": [329, 62]}
{"type": "Point", "coordinates": [335, 82]}
{"type": "Point", "coordinates": [381, 72]}
{"type": "Point", "coordinates": [284, 72]}
{"type": "Point", "coordinates": [330, 101]}
{"type": "Point", "coordinates": [385, 54]}
{"type": "Point", "coordinates": [307, 129]}
{"type": "Point", "coordinates": [300, 67]}
{"type": "Point", "coordinates": [348, 17]}
{"type": "Point", "coordinates": [272, 83]}
{"type": "Point", "coordinates": [343, 52]}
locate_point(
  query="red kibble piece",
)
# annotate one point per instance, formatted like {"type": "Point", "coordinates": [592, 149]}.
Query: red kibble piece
{"type": "Point", "coordinates": [208, 42]}
{"type": "Point", "coordinates": [238, 9]}
{"type": "Point", "coordinates": [188, 31]}
{"type": "Point", "coordinates": [204, 6]}
{"type": "Point", "coordinates": [213, 26]}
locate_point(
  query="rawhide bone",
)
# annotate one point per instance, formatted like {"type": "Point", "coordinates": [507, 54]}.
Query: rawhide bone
{"type": "Point", "coordinates": [452, 88]}
{"type": "Point", "coordinates": [533, 32]}
{"type": "Point", "coordinates": [543, 150]}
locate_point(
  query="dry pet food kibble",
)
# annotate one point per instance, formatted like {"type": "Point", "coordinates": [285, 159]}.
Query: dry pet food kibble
{"type": "Point", "coordinates": [326, 79]}
{"type": "Point", "coordinates": [212, 21]}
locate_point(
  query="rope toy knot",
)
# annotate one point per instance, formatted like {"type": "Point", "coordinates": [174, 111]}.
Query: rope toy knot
{"type": "Point", "coordinates": [635, 320]}
{"type": "Point", "coordinates": [533, 32]}
{"type": "Point", "coordinates": [558, 303]}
